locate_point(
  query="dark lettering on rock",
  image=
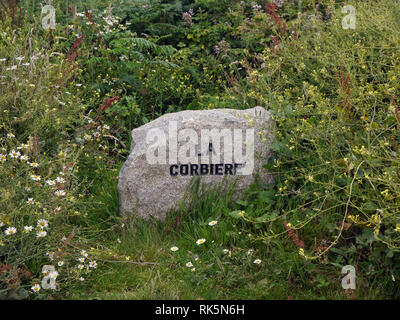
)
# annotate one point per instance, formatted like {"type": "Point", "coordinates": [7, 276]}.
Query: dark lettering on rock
{"type": "Point", "coordinates": [204, 169]}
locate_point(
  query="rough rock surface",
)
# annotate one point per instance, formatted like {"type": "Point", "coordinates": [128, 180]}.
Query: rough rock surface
{"type": "Point", "coordinates": [152, 189]}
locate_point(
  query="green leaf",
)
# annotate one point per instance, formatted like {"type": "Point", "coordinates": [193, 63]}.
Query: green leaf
{"type": "Point", "coordinates": [390, 254]}
{"type": "Point", "coordinates": [145, 120]}
{"type": "Point", "coordinates": [267, 196]}
{"type": "Point", "coordinates": [263, 218]}
{"type": "Point", "coordinates": [237, 214]}
{"type": "Point", "coordinates": [242, 202]}
{"type": "Point", "coordinates": [369, 207]}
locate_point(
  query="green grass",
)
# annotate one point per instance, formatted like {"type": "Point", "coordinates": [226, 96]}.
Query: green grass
{"type": "Point", "coordinates": [155, 272]}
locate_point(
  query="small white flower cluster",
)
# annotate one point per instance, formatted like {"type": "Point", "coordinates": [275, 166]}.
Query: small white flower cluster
{"type": "Point", "coordinates": [187, 17]}
{"type": "Point", "coordinates": [30, 218]}
{"type": "Point", "coordinates": [81, 266]}
{"type": "Point", "coordinates": [17, 64]}
{"type": "Point", "coordinates": [256, 7]}
{"type": "Point", "coordinates": [249, 252]}
{"type": "Point", "coordinates": [49, 273]}
{"type": "Point", "coordinates": [190, 265]}
{"type": "Point", "coordinates": [41, 224]}
{"type": "Point", "coordinates": [199, 242]}
{"type": "Point", "coordinates": [14, 154]}
{"type": "Point", "coordinates": [227, 252]}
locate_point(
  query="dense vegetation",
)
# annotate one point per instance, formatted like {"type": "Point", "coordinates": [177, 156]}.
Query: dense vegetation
{"type": "Point", "coordinates": [69, 98]}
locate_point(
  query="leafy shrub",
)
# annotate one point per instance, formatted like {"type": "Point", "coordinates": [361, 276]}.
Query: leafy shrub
{"type": "Point", "coordinates": [334, 94]}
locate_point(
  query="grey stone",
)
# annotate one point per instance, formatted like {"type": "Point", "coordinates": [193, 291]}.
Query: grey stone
{"type": "Point", "coordinates": [147, 189]}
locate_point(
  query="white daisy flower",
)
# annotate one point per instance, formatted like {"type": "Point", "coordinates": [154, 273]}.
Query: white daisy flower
{"type": "Point", "coordinates": [80, 266]}
{"type": "Point", "coordinates": [28, 228]}
{"type": "Point", "coordinates": [30, 201]}
{"type": "Point", "coordinates": [54, 274]}
{"type": "Point", "coordinates": [189, 264]}
{"type": "Point", "coordinates": [10, 231]}
{"type": "Point", "coordinates": [34, 164]}
{"type": "Point", "coordinates": [41, 234]}
{"type": "Point", "coordinates": [35, 288]}
{"type": "Point", "coordinates": [57, 210]}
{"type": "Point", "coordinates": [193, 269]}
{"type": "Point", "coordinates": [81, 279]}
{"type": "Point", "coordinates": [14, 154]}
{"type": "Point", "coordinates": [200, 241]}
{"type": "Point", "coordinates": [92, 264]}
{"type": "Point", "coordinates": [10, 135]}
{"type": "Point", "coordinates": [42, 223]}
{"type": "Point", "coordinates": [60, 193]}
{"type": "Point", "coordinates": [51, 182]}
{"type": "Point", "coordinates": [60, 263]}
{"type": "Point", "coordinates": [84, 253]}
{"type": "Point", "coordinates": [24, 158]}
{"type": "Point", "coordinates": [173, 249]}
{"type": "Point", "coordinates": [3, 158]}
{"type": "Point", "coordinates": [81, 260]}
{"type": "Point", "coordinates": [60, 180]}
{"type": "Point", "coordinates": [35, 177]}
{"type": "Point", "coordinates": [257, 261]}
{"type": "Point", "coordinates": [212, 223]}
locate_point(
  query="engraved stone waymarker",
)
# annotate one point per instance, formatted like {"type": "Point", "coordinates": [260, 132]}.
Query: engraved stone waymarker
{"type": "Point", "coordinates": [167, 153]}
